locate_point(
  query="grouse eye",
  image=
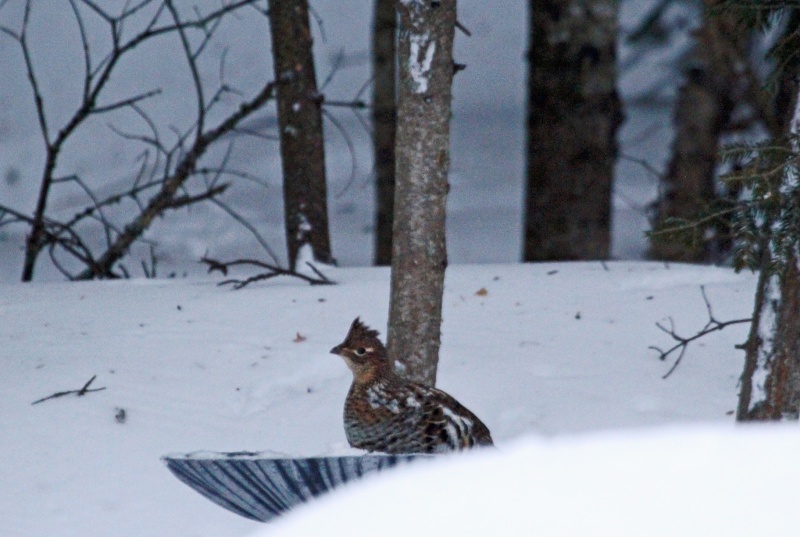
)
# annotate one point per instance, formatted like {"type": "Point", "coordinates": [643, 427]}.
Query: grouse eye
{"type": "Point", "coordinates": [361, 351]}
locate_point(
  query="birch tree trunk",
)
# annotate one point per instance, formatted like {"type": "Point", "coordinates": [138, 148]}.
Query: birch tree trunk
{"type": "Point", "coordinates": [419, 254]}
{"type": "Point", "coordinates": [300, 121]}
{"type": "Point", "coordinates": [384, 121]}
{"type": "Point", "coordinates": [714, 83]}
{"type": "Point", "coordinates": [770, 381]}
{"type": "Point", "coordinates": [573, 116]}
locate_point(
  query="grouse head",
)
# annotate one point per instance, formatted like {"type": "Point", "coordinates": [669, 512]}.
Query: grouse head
{"type": "Point", "coordinates": [362, 351]}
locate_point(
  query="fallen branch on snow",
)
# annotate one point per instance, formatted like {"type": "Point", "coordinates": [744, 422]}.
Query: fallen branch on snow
{"type": "Point", "coordinates": [79, 393]}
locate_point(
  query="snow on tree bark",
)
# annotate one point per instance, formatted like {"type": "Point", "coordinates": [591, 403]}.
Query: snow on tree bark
{"type": "Point", "coordinates": [419, 254]}
{"type": "Point", "coordinates": [573, 115]}
{"type": "Point", "coordinates": [770, 381]}
{"type": "Point", "coordinates": [384, 120]}
{"type": "Point", "coordinates": [300, 121]}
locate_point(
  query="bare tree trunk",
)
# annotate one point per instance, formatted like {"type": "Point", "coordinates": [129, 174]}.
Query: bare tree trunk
{"type": "Point", "coordinates": [573, 116]}
{"type": "Point", "coordinates": [423, 159]}
{"type": "Point", "coordinates": [384, 121]}
{"type": "Point", "coordinates": [715, 83]}
{"type": "Point", "coordinates": [300, 121]}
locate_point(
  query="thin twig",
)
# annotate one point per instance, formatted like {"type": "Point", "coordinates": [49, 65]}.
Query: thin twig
{"type": "Point", "coordinates": [247, 225]}
{"type": "Point", "coordinates": [463, 29]}
{"type": "Point", "coordinates": [272, 272]}
{"type": "Point", "coordinates": [79, 393]}
{"type": "Point", "coordinates": [351, 148]}
{"type": "Point", "coordinates": [346, 104]}
{"type": "Point", "coordinates": [713, 325]}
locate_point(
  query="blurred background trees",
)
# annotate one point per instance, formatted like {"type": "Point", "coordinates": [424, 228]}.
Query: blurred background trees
{"type": "Point", "coordinates": [573, 116]}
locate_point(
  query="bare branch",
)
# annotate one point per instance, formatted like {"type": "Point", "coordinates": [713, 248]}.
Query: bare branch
{"type": "Point", "coordinates": [256, 134]}
{"type": "Point", "coordinates": [207, 195]}
{"type": "Point", "coordinates": [713, 325]}
{"type": "Point", "coordinates": [247, 225]}
{"type": "Point", "coordinates": [272, 272]}
{"type": "Point", "coordinates": [183, 170]}
{"type": "Point", "coordinates": [191, 59]}
{"type": "Point", "coordinates": [346, 104]}
{"type": "Point", "coordinates": [172, 165]}
{"type": "Point", "coordinates": [34, 83]}
{"type": "Point", "coordinates": [80, 392]}
{"type": "Point", "coordinates": [125, 102]}
{"type": "Point", "coordinates": [338, 60]}
{"type": "Point", "coordinates": [351, 150]}
{"type": "Point", "coordinates": [463, 29]}
{"type": "Point", "coordinates": [649, 168]}
{"type": "Point", "coordinates": [87, 58]}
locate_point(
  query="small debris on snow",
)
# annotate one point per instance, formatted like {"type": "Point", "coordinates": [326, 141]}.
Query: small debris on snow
{"type": "Point", "coordinates": [481, 292]}
{"type": "Point", "coordinates": [120, 415]}
{"type": "Point", "coordinates": [300, 338]}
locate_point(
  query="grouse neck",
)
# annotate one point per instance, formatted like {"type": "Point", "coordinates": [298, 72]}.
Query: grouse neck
{"type": "Point", "coordinates": [374, 372]}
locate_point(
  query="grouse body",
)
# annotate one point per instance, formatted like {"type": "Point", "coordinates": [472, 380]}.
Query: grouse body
{"type": "Point", "coordinates": [385, 412]}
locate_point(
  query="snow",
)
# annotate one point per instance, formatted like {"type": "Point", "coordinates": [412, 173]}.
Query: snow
{"type": "Point", "coordinates": [420, 57]}
{"type": "Point", "coordinates": [687, 481]}
{"type": "Point", "coordinates": [551, 356]}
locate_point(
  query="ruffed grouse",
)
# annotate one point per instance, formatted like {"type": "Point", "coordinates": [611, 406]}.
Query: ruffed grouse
{"type": "Point", "coordinates": [385, 412]}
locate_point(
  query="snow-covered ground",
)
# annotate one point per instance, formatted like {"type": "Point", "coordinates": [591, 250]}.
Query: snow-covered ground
{"type": "Point", "coordinates": [553, 357]}
{"type": "Point", "coordinates": [692, 482]}
{"type": "Point", "coordinates": [550, 351]}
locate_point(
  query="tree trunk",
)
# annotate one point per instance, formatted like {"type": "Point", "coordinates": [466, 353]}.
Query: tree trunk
{"type": "Point", "coordinates": [419, 255]}
{"type": "Point", "coordinates": [573, 116]}
{"type": "Point", "coordinates": [783, 102]}
{"type": "Point", "coordinates": [384, 121]}
{"type": "Point", "coordinates": [714, 83]}
{"type": "Point", "coordinates": [300, 121]}
{"type": "Point", "coordinates": [770, 381]}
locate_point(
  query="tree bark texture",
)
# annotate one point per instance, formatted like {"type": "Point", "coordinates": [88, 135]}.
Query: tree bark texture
{"type": "Point", "coordinates": [783, 104]}
{"type": "Point", "coordinates": [714, 84]}
{"type": "Point", "coordinates": [573, 115]}
{"type": "Point", "coordinates": [770, 381]}
{"type": "Point", "coordinates": [770, 387]}
{"type": "Point", "coordinates": [419, 255]}
{"type": "Point", "coordinates": [301, 136]}
{"type": "Point", "coordinates": [384, 121]}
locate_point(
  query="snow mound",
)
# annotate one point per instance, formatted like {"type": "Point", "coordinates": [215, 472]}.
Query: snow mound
{"type": "Point", "coordinates": [689, 481]}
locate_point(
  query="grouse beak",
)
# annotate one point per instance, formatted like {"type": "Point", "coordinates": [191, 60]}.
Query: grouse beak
{"type": "Point", "coordinates": [336, 350]}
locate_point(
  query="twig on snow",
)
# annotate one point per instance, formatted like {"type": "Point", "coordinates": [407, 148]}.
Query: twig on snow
{"type": "Point", "coordinates": [79, 393]}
